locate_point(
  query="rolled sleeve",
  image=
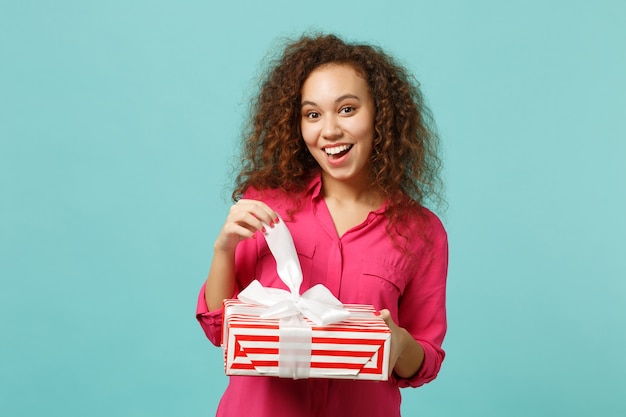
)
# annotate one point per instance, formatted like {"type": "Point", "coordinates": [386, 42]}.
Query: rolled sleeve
{"type": "Point", "coordinates": [433, 358]}
{"type": "Point", "coordinates": [210, 321]}
{"type": "Point", "coordinates": [426, 319]}
{"type": "Point", "coordinates": [245, 264]}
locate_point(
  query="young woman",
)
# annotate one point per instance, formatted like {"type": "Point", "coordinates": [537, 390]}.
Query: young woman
{"type": "Point", "coordinates": [339, 146]}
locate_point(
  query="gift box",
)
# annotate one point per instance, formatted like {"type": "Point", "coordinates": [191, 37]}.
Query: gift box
{"type": "Point", "coordinates": [354, 348]}
{"type": "Point", "coordinates": [273, 332]}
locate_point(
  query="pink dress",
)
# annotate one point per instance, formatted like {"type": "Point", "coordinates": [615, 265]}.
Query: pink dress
{"type": "Point", "coordinates": [362, 266]}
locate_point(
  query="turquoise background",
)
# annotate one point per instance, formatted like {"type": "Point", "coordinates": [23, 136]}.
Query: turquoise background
{"type": "Point", "coordinates": [118, 123]}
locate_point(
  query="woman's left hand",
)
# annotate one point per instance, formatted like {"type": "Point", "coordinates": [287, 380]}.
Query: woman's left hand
{"type": "Point", "coordinates": [406, 355]}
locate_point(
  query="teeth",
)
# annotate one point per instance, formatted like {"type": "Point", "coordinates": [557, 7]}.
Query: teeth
{"type": "Point", "coordinates": [337, 149]}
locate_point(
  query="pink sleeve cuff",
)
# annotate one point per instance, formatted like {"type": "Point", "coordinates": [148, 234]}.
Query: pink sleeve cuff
{"type": "Point", "coordinates": [210, 321]}
{"type": "Point", "coordinates": [427, 372]}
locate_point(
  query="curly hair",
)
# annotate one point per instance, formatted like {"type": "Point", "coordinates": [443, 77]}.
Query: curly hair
{"type": "Point", "coordinates": [405, 166]}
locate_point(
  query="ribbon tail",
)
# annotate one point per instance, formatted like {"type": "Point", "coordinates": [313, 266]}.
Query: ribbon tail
{"type": "Point", "coordinates": [281, 245]}
{"type": "Point", "coordinates": [294, 357]}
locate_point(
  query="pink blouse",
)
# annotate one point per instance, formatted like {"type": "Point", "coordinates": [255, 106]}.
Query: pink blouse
{"type": "Point", "coordinates": [362, 266]}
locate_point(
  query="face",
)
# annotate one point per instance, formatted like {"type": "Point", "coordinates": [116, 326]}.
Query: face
{"type": "Point", "coordinates": [337, 122]}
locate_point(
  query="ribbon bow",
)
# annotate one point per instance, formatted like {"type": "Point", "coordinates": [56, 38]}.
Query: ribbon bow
{"type": "Point", "coordinates": [317, 304]}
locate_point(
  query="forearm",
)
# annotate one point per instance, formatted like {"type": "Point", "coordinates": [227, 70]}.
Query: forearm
{"type": "Point", "coordinates": [220, 283]}
{"type": "Point", "coordinates": [410, 357]}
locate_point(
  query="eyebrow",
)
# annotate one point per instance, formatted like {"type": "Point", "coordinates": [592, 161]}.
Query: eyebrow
{"type": "Point", "coordinates": [337, 100]}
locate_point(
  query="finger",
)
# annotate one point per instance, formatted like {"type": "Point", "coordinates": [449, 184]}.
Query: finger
{"type": "Point", "coordinates": [259, 209]}
{"type": "Point", "coordinates": [241, 230]}
{"type": "Point", "coordinates": [246, 220]}
{"type": "Point", "coordinates": [230, 236]}
{"type": "Point", "coordinates": [386, 316]}
{"type": "Point", "coordinates": [393, 354]}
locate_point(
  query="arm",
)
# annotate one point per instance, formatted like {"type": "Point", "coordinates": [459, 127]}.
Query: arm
{"type": "Point", "coordinates": [220, 283]}
{"type": "Point", "coordinates": [406, 354]}
{"type": "Point", "coordinates": [421, 322]}
{"type": "Point", "coordinates": [244, 219]}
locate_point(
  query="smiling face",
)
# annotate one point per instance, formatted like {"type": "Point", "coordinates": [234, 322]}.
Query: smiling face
{"type": "Point", "coordinates": [337, 122]}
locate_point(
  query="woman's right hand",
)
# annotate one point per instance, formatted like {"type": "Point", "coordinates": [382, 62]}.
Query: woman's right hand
{"type": "Point", "coordinates": [244, 219]}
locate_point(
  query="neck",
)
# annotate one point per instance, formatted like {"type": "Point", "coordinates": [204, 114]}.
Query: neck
{"type": "Point", "coordinates": [354, 191]}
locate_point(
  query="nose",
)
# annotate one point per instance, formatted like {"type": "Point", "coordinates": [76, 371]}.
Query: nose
{"type": "Point", "coordinates": [331, 129]}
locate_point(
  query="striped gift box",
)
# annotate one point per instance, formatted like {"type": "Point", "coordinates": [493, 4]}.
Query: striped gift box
{"type": "Point", "coordinates": [355, 348]}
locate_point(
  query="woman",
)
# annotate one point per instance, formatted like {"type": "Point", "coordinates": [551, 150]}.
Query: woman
{"type": "Point", "coordinates": [339, 146]}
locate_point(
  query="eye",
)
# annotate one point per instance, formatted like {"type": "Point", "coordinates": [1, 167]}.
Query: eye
{"type": "Point", "coordinates": [312, 115]}
{"type": "Point", "coordinates": [347, 110]}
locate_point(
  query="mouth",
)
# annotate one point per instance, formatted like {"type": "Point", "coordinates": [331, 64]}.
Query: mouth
{"type": "Point", "coordinates": [336, 152]}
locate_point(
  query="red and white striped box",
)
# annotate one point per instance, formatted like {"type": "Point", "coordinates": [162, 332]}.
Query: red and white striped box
{"type": "Point", "coordinates": [355, 348]}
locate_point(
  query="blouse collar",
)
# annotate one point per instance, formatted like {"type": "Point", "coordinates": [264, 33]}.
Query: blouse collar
{"type": "Point", "coordinates": [314, 189]}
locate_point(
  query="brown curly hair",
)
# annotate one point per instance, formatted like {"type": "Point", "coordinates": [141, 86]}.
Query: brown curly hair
{"type": "Point", "coordinates": [405, 166]}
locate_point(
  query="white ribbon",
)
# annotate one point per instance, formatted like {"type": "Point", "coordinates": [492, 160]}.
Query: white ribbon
{"type": "Point", "coordinates": [317, 304]}
{"type": "Point", "coordinates": [294, 348]}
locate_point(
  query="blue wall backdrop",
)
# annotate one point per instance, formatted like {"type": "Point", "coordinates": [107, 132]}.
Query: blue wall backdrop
{"type": "Point", "coordinates": [118, 126]}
